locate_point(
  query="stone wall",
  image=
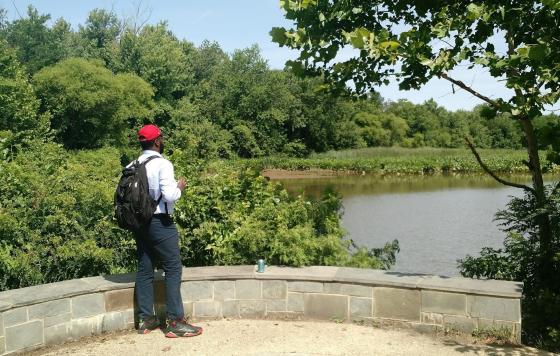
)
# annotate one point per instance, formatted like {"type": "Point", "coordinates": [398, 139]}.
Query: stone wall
{"type": "Point", "coordinates": [58, 312]}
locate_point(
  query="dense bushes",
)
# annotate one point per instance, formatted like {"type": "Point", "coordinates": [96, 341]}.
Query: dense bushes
{"type": "Point", "coordinates": [55, 213]}
{"type": "Point", "coordinates": [56, 219]}
{"type": "Point", "coordinates": [235, 217]}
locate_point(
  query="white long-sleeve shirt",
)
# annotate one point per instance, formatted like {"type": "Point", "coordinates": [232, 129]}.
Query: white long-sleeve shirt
{"type": "Point", "coordinates": [161, 180]}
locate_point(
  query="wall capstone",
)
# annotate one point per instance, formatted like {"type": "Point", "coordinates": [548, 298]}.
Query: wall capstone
{"type": "Point", "coordinates": [58, 312]}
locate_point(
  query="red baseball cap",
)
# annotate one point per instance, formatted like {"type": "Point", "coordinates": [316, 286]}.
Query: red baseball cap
{"type": "Point", "coordinates": [148, 133]}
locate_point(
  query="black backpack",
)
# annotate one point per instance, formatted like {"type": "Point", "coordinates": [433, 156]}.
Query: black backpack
{"type": "Point", "coordinates": [134, 207]}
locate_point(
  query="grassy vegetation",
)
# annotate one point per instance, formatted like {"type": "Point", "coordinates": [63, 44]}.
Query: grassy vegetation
{"type": "Point", "coordinates": [396, 160]}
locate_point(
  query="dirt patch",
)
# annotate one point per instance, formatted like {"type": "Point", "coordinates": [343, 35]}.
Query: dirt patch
{"type": "Point", "coordinates": [269, 337]}
{"type": "Point", "coordinates": [274, 173]}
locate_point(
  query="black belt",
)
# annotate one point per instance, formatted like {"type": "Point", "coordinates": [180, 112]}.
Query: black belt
{"type": "Point", "coordinates": [162, 216]}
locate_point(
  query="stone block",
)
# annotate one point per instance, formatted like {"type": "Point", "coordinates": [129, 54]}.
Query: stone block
{"type": "Point", "coordinates": [276, 305]}
{"type": "Point", "coordinates": [513, 327]}
{"type": "Point", "coordinates": [252, 309]}
{"type": "Point", "coordinates": [325, 306]}
{"type": "Point", "coordinates": [426, 328]}
{"type": "Point", "coordinates": [5, 306]}
{"type": "Point", "coordinates": [274, 289]}
{"type": "Point", "coordinates": [348, 289]}
{"type": "Point", "coordinates": [396, 303]}
{"type": "Point", "coordinates": [443, 302]}
{"type": "Point", "coordinates": [224, 290]}
{"type": "Point", "coordinates": [88, 305]}
{"type": "Point", "coordinates": [295, 302]}
{"type": "Point", "coordinates": [49, 309]}
{"type": "Point", "coordinates": [1, 325]}
{"type": "Point", "coordinates": [45, 292]}
{"type": "Point", "coordinates": [490, 287]}
{"type": "Point", "coordinates": [113, 321]}
{"type": "Point", "coordinates": [188, 308]}
{"type": "Point", "coordinates": [119, 299]}
{"type": "Point", "coordinates": [15, 316]}
{"type": "Point", "coordinates": [218, 273]}
{"type": "Point", "coordinates": [128, 316]}
{"type": "Point", "coordinates": [305, 287]}
{"type": "Point", "coordinates": [230, 309]}
{"type": "Point", "coordinates": [284, 315]}
{"type": "Point", "coordinates": [248, 289]}
{"type": "Point", "coordinates": [2, 345]}
{"type": "Point", "coordinates": [24, 335]}
{"type": "Point", "coordinates": [432, 318]}
{"type": "Point", "coordinates": [86, 327]}
{"type": "Point", "coordinates": [460, 323]}
{"type": "Point", "coordinates": [506, 309]}
{"type": "Point", "coordinates": [207, 309]}
{"type": "Point", "coordinates": [200, 290]}
{"type": "Point", "coordinates": [57, 319]}
{"type": "Point", "coordinates": [361, 307]}
{"type": "Point", "coordinates": [58, 334]}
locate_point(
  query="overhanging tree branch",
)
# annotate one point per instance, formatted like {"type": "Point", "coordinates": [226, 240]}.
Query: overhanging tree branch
{"type": "Point", "coordinates": [462, 85]}
{"type": "Point", "coordinates": [492, 174]}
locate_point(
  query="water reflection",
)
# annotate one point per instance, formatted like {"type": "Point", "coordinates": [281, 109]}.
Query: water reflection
{"type": "Point", "coordinates": [437, 219]}
{"type": "Point", "coordinates": [349, 186]}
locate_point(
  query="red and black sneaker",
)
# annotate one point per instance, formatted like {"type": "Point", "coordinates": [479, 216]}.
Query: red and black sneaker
{"type": "Point", "coordinates": [150, 323]}
{"type": "Point", "coordinates": [180, 328]}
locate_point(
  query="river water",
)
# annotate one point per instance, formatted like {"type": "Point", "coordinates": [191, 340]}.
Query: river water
{"type": "Point", "coordinates": [437, 219]}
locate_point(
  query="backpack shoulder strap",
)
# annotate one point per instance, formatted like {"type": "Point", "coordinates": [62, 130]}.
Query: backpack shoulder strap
{"type": "Point", "coordinates": [161, 195]}
{"type": "Point", "coordinates": [149, 159]}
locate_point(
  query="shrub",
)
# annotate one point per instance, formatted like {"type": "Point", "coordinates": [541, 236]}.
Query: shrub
{"type": "Point", "coordinates": [56, 219]}
{"type": "Point", "coordinates": [519, 261]}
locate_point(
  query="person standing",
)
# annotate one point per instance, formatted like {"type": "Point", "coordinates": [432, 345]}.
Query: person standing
{"type": "Point", "coordinates": [159, 240]}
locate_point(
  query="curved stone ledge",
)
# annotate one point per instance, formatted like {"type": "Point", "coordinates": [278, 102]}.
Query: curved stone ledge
{"type": "Point", "coordinates": [57, 312]}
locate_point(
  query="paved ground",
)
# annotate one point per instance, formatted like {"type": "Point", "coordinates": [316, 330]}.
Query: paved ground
{"type": "Point", "coordinates": [281, 338]}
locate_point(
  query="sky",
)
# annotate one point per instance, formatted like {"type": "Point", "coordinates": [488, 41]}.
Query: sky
{"type": "Point", "coordinates": [237, 24]}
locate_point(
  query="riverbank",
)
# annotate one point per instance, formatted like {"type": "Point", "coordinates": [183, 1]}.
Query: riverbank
{"type": "Point", "coordinates": [394, 161]}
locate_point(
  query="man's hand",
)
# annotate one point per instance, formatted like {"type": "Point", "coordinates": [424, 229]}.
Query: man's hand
{"type": "Point", "coordinates": [181, 184]}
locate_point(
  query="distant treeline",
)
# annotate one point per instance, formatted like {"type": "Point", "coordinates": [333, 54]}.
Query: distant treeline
{"type": "Point", "coordinates": [90, 87]}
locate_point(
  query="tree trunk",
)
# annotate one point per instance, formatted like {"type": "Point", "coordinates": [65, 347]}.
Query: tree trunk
{"type": "Point", "coordinates": [543, 220]}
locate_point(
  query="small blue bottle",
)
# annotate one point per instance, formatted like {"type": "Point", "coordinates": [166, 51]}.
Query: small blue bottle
{"type": "Point", "coordinates": [260, 266]}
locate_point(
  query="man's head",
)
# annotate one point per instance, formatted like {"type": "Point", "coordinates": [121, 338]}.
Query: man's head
{"type": "Point", "coordinates": [150, 138]}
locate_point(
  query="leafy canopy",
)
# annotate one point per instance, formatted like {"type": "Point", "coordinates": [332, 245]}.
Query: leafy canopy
{"type": "Point", "coordinates": [91, 106]}
{"type": "Point", "coordinates": [414, 41]}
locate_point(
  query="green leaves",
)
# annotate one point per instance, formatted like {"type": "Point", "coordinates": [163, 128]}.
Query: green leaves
{"type": "Point", "coordinates": [538, 52]}
{"type": "Point", "coordinates": [474, 11]}
{"type": "Point", "coordinates": [553, 4]}
{"type": "Point", "coordinates": [278, 35]}
{"type": "Point", "coordinates": [293, 5]}
{"type": "Point", "coordinates": [399, 39]}
{"type": "Point", "coordinates": [358, 37]}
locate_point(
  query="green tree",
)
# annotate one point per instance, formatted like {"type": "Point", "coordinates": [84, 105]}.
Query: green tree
{"type": "Point", "coordinates": [18, 104]}
{"type": "Point", "coordinates": [157, 56]}
{"type": "Point", "coordinates": [37, 45]}
{"type": "Point", "coordinates": [19, 118]}
{"type": "Point", "coordinates": [243, 93]}
{"type": "Point", "coordinates": [91, 106]}
{"type": "Point", "coordinates": [205, 59]}
{"type": "Point", "coordinates": [372, 130]}
{"type": "Point", "coordinates": [99, 36]}
{"type": "Point", "coordinates": [415, 41]}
